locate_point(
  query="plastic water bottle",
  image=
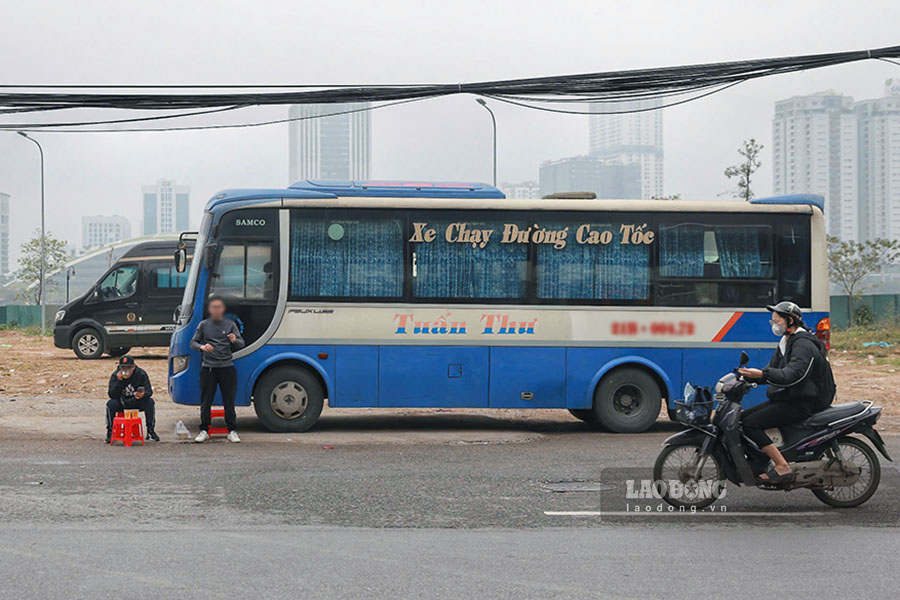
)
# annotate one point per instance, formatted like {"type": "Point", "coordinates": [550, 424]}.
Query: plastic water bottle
{"type": "Point", "coordinates": [181, 432]}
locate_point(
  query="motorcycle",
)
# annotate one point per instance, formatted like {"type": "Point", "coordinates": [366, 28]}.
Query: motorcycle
{"type": "Point", "coordinates": [824, 451]}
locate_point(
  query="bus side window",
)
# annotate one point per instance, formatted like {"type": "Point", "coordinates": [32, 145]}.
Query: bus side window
{"type": "Point", "coordinates": [794, 262]}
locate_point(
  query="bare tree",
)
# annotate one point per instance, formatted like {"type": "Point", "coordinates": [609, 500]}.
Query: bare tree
{"type": "Point", "coordinates": [745, 170]}
{"type": "Point", "coordinates": [849, 263]}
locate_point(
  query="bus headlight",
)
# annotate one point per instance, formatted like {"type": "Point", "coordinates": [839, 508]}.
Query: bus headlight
{"type": "Point", "coordinates": [60, 315]}
{"type": "Point", "coordinates": [180, 363]}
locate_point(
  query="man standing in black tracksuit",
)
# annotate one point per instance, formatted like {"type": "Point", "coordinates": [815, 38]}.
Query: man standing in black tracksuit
{"type": "Point", "coordinates": [217, 338]}
{"type": "Point", "coordinates": [129, 388]}
{"type": "Point", "coordinates": [792, 375]}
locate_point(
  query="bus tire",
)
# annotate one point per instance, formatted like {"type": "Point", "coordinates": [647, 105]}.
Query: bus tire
{"type": "Point", "coordinates": [627, 401]}
{"type": "Point", "coordinates": [88, 344]}
{"type": "Point", "coordinates": [288, 399]}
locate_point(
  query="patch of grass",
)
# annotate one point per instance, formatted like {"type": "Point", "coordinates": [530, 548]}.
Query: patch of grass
{"type": "Point", "coordinates": [853, 338]}
{"type": "Point", "coordinates": [34, 330]}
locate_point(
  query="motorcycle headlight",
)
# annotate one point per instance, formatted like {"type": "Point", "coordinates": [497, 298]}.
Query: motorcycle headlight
{"type": "Point", "coordinates": [180, 363]}
{"type": "Point", "coordinates": [60, 315]}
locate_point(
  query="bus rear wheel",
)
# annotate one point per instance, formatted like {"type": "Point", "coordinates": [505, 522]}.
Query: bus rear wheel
{"type": "Point", "coordinates": [288, 400]}
{"type": "Point", "coordinates": [627, 401]}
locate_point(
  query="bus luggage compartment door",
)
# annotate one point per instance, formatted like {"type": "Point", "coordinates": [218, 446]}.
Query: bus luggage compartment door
{"type": "Point", "coordinates": [528, 378]}
{"type": "Point", "coordinates": [433, 376]}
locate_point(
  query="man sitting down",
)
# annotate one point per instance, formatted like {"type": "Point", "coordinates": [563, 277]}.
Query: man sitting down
{"type": "Point", "coordinates": [129, 388]}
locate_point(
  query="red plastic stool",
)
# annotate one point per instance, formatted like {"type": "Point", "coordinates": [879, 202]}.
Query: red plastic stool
{"type": "Point", "coordinates": [127, 430]}
{"type": "Point", "coordinates": [217, 413]}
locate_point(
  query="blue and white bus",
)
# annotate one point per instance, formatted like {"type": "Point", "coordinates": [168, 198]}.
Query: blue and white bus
{"type": "Point", "coordinates": [405, 294]}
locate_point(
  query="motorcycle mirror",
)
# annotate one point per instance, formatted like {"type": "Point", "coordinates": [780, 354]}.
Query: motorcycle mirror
{"type": "Point", "coordinates": [744, 358]}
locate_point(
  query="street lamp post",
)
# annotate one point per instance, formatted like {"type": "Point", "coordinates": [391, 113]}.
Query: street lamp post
{"type": "Point", "coordinates": [494, 121]}
{"type": "Point", "coordinates": [43, 236]}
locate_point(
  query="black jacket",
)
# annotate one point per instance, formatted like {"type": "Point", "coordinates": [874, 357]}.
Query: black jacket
{"type": "Point", "coordinates": [792, 377]}
{"type": "Point", "coordinates": [124, 390]}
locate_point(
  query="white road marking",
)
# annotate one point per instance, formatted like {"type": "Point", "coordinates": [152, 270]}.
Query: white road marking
{"type": "Point", "coordinates": [675, 511]}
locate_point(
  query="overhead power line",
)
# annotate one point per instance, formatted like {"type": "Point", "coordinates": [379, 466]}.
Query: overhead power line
{"type": "Point", "coordinates": [609, 86]}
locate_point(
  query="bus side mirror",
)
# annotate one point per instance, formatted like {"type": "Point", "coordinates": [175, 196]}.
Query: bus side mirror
{"type": "Point", "coordinates": [744, 358]}
{"type": "Point", "coordinates": [181, 259]}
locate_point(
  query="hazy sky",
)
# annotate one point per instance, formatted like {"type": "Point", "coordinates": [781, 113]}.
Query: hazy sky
{"type": "Point", "coordinates": [293, 42]}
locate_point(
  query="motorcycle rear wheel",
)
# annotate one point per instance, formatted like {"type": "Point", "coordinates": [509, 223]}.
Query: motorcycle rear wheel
{"type": "Point", "coordinates": [673, 463]}
{"type": "Point", "coordinates": [860, 454]}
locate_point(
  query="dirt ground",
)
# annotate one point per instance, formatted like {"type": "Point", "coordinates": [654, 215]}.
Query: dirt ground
{"type": "Point", "coordinates": [41, 385]}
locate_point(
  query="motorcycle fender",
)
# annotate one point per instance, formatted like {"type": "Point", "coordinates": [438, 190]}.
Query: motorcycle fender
{"type": "Point", "coordinates": [687, 436]}
{"type": "Point", "coordinates": [875, 437]}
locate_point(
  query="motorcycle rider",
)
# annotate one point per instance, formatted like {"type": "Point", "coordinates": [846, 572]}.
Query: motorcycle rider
{"type": "Point", "coordinates": [792, 374]}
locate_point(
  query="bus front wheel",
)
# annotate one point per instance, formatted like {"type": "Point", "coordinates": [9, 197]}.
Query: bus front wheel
{"type": "Point", "coordinates": [627, 401]}
{"type": "Point", "coordinates": [288, 400]}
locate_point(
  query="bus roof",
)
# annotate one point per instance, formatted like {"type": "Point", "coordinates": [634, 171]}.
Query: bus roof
{"type": "Point", "coordinates": [809, 199]}
{"type": "Point", "coordinates": [406, 193]}
{"type": "Point", "coordinates": [401, 189]}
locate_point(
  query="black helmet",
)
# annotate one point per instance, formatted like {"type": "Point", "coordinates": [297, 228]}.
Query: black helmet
{"type": "Point", "coordinates": [788, 310]}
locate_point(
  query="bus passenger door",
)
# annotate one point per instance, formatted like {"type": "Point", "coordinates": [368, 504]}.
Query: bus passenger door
{"type": "Point", "coordinates": [246, 269]}
{"type": "Point", "coordinates": [433, 376]}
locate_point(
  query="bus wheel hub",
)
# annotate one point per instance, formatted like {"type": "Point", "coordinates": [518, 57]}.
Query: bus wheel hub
{"type": "Point", "coordinates": [627, 399]}
{"type": "Point", "coordinates": [289, 400]}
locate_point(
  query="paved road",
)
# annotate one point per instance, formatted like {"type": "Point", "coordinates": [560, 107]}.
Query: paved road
{"type": "Point", "coordinates": [79, 519]}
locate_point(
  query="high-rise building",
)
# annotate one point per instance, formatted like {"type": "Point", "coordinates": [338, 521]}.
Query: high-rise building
{"type": "Point", "coordinates": [4, 235]}
{"type": "Point", "coordinates": [590, 174]}
{"type": "Point", "coordinates": [167, 207]}
{"type": "Point", "coordinates": [333, 147]}
{"type": "Point", "coordinates": [525, 189]}
{"type": "Point", "coordinates": [814, 151]}
{"type": "Point", "coordinates": [849, 153]}
{"type": "Point", "coordinates": [879, 164]}
{"type": "Point", "coordinates": [100, 230]}
{"type": "Point", "coordinates": [630, 138]}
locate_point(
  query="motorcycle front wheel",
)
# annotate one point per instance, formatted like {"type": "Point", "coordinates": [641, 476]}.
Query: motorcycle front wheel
{"type": "Point", "coordinates": [675, 470]}
{"type": "Point", "coordinates": [857, 453]}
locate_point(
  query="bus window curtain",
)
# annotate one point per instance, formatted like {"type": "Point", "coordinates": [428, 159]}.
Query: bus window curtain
{"type": "Point", "coordinates": [457, 270]}
{"type": "Point", "coordinates": [613, 271]}
{"type": "Point", "coordinates": [366, 261]}
{"type": "Point", "coordinates": [681, 251]}
{"type": "Point", "coordinates": [740, 253]}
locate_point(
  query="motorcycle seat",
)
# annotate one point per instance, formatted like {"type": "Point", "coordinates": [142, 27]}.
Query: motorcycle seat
{"type": "Point", "coordinates": [832, 413]}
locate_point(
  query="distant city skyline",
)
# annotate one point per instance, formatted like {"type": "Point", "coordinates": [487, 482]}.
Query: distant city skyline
{"type": "Point", "coordinates": [335, 147]}
{"type": "Point", "coordinates": [99, 230]}
{"type": "Point", "coordinates": [522, 189]}
{"type": "Point", "coordinates": [849, 152]}
{"type": "Point", "coordinates": [630, 138]}
{"type": "Point", "coordinates": [166, 207]}
{"type": "Point", "coordinates": [591, 174]}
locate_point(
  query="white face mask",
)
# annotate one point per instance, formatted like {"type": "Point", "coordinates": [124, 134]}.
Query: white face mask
{"type": "Point", "coordinates": [778, 329]}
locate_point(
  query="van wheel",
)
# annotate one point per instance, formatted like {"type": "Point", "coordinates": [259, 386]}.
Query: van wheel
{"type": "Point", "coordinates": [117, 352]}
{"type": "Point", "coordinates": [288, 399]}
{"type": "Point", "coordinates": [88, 344]}
{"type": "Point", "coordinates": [627, 401]}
